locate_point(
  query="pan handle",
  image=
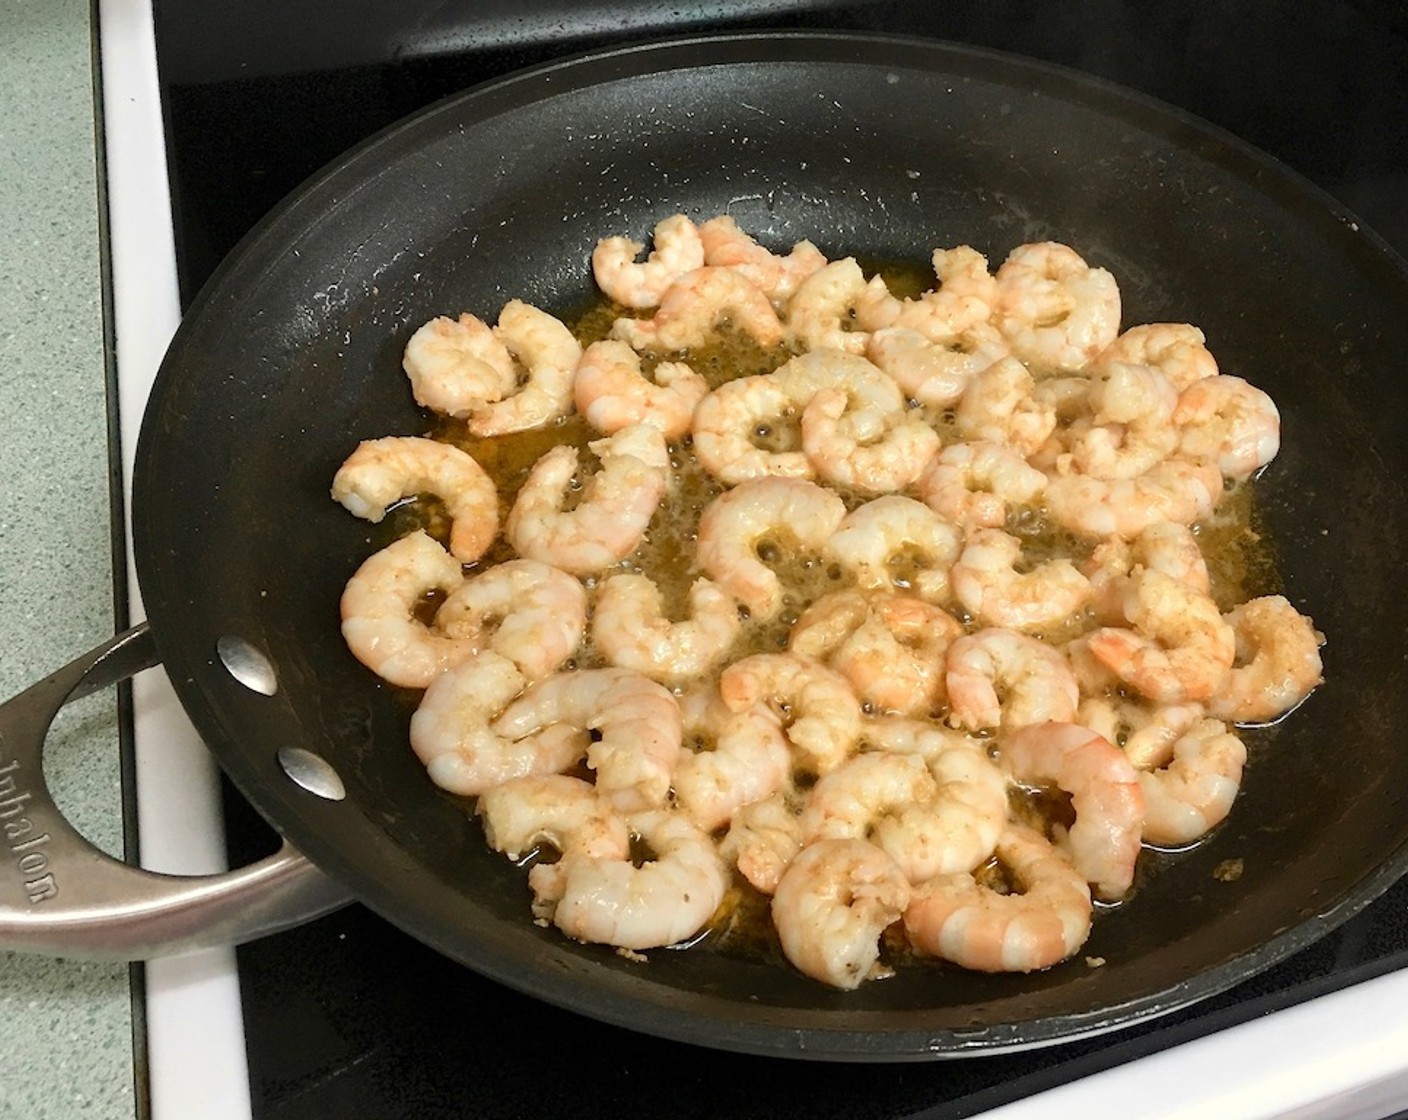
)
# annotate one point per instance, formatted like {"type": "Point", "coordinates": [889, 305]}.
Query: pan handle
{"type": "Point", "coordinates": [61, 896]}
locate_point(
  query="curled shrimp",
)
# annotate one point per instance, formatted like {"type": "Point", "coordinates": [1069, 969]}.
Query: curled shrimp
{"type": "Point", "coordinates": [821, 714]}
{"type": "Point", "coordinates": [456, 366]}
{"type": "Point", "coordinates": [637, 721]}
{"type": "Point", "coordinates": [889, 647]}
{"type": "Point", "coordinates": [820, 314]}
{"type": "Point", "coordinates": [935, 373]}
{"type": "Point", "coordinates": [609, 522]}
{"type": "Point", "coordinates": [536, 614]}
{"type": "Point", "coordinates": [677, 250]}
{"type": "Point", "coordinates": [629, 627]}
{"type": "Point", "coordinates": [1177, 350]}
{"type": "Point", "coordinates": [931, 819]}
{"type": "Point", "coordinates": [693, 307]}
{"type": "Point", "coordinates": [1039, 924]}
{"type": "Point", "coordinates": [876, 453]}
{"type": "Point", "coordinates": [1179, 490]}
{"type": "Point", "coordinates": [521, 814]}
{"type": "Point", "coordinates": [378, 612]}
{"type": "Point", "coordinates": [612, 392]}
{"type": "Point", "coordinates": [987, 583]}
{"type": "Point", "coordinates": [737, 758]}
{"type": "Point", "coordinates": [832, 904]}
{"type": "Point", "coordinates": [1129, 430]}
{"type": "Point", "coordinates": [897, 543]}
{"type": "Point", "coordinates": [974, 484]}
{"type": "Point", "coordinates": [1001, 405]}
{"type": "Point", "coordinates": [727, 246]}
{"type": "Point", "coordinates": [1166, 547]}
{"type": "Point", "coordinates": [963, 299]}
{"type": "Point", "coordinates": [1103, 842]}
{"type": "Point", "coordinates": [998, 677]}
{"type": "Point", "coordinates": [1145, 732]}
{"type": "Point", "coordinates": [763, 837]}
{"type": "Point", "coordinates": [735, 523]}
{"type": "Point", "coordinates": [549, 353]}
{"type": "Point", "coordinates": [612, 901]}
{"type": "Point", "coordinates": [451, 730]}
{"type": "Point", "coordinates": [1053, 308]}
{"type": "Point", "coordinates": [1177, 648]}
{"type": "Point", "coordinates": [382, 471]}
{"type": "Point", "coordinates": [1277, 662]}
{"type": "Point", "coordinates": [1229, 421]}
{"type": "Point", "coordinates": [1193, 789]}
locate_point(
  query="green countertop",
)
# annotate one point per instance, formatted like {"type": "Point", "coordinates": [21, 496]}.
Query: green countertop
{"type": "Point", "coordinates": [65, 1027]}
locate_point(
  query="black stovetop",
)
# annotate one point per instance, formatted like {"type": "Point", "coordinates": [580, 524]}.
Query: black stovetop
{"type": "Point", "coordinates": [348, 1017]}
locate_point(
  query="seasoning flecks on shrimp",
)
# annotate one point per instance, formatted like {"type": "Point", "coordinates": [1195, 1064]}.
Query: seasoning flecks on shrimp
{"type": "Point", "coordinates": [922, 612]}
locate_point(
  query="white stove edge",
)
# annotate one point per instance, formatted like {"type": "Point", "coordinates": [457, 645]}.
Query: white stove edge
{"type": "Point", "coordinates": [1341, 1057]}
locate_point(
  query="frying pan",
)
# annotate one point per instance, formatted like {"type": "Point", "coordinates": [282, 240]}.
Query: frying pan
{"type": "Point", "coordinates": [878, 146]}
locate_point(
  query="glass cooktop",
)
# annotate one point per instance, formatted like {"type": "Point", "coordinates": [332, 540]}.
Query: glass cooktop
{"type": "Point", "coordinates": [348, 1017]}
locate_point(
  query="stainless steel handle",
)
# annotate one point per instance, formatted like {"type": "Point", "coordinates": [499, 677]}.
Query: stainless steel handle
{"type": "Point", "coordinates": [61, 896]}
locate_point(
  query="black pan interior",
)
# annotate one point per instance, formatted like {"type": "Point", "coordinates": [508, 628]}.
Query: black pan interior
{"type": "Point", "coordinates": [884, 148]}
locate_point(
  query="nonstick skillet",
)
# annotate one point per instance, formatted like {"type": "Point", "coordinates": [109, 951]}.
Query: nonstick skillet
{"type": "Point", "coordinates": [874, 146]}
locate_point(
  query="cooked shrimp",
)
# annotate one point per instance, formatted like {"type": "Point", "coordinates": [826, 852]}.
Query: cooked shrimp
{"type": "Point", "coordinates": [549, 353]}
{"type": "Point", "coordinates": [1001, 405]}
{"type": "Point", "coordinates": [1229, 421]}
{"type": "Point", "coordinates": [630, 629]}
{"type": "Point", "coordinates": [883, 463]}
{"type": "Point", "coordinates": [612, 392]}
{"type": "Point", "coordinates": [1193, 791]}
{"type": "Point", "coordinates": [458, 365]}
{"type": "Point", "coordinates": [738, 520]}
{"type": "Point", "coordinates": [889, 647]}
{"type": "Point", "coordinates": [1145, 732]}
{"type": "Point", "coordinates": [1177, 350]}
{"type": "Point", "coordinates": [929, 825]}
{"type": "Point", "coordinates": [536, 614]}
{"type": "Point", "coordinates": [987, 583]}
{"type": "Point", "coordinates": [378, 612]}
{"type": "Point", "coordinates": [1054, 309]}
{"type": "Point", "coordinates": [665, 900]}
{"type": "Point", "coordinates": [750, 759]}
{"type": "Point", "coordinates": [1277, 662]}
{"type": "Point", "coordinates": [616, 507]}
{"type": "Point", "coordinates": [728, 246]}
{"type": "Point", "coordinates": [831, 906]}
{"type": "Point", "coordinates": [382, 471]}
{"type": "Point", "coordinates": [451, 730]}
{"type": "Point", "coordinates": [727, 421]}
{"type": "Point", "coordinates": [897, 543]}
{"type": "Point", "coordinates": [694, 306]}
{"type": "Point", "coordinates": [1166, 547]}
{"type": "Point", "coordinates": [565, 812]}
{"type": "Point", "coordinates": [1178, 490]}
{"type": "Point", "coordinates": [1109, 806]}
{"type": "Point", "coordinates": [677, 250]}
{"type": "Point", "coordinates": [963, 299]}
{"type": "Point", "coordinates": [974, 484]}
{"type": "Point", "coordinates": [820, 710]}
{"type": "Point", "coordinates": [1129, 430]}
{"type": "Point", "coordinates": [820, 314]}
{"type": "Point", "coordinates": [637, 721]}
{"type": "Point", "coordinates": [935, 373]}
{"type": "Point", "coordinates": [763, 837]}
{"type": "Point", "coordinates": [1035, 682]}
{"type": "Point", "coordinates": [1044, 921]}
{"type": "Point", "coordinates": [1177, 649]}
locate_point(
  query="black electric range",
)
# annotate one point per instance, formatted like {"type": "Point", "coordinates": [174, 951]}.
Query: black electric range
{"type": "Point", "coordinates": [350, 1018]}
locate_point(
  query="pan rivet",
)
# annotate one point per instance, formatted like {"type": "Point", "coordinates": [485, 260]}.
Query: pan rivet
{"type": "Point", "coordinates": [313, 773]}
{"type": "Point", "coordinates": [247, 665]}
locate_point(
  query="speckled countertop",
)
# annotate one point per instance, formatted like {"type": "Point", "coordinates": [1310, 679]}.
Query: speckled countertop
{"type": "Point", "coordinates": [65, 1027]}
